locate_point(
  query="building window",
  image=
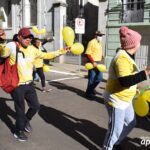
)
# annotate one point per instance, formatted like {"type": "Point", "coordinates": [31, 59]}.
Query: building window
{"type": "Point", "coordinates": [72, 11]}
{"type": "Point", "coordinates": [33, 10]}
{"type": "Point", "coordinates": [5, 14]}
{"type": "Point", "coordinates": [132, 10]}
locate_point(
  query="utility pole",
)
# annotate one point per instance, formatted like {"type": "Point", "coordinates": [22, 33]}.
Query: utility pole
{"type": "Point", "coordinates": [80, 27]}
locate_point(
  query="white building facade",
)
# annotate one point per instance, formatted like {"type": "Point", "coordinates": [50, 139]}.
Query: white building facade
{"type": "Point", "coordinates": [52, 14]}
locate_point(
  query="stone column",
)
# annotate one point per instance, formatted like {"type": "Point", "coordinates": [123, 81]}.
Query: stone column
{"type": "Point", "coordinates": [59, 23]}
{"type": "Point", "coordinates": [26, 13]}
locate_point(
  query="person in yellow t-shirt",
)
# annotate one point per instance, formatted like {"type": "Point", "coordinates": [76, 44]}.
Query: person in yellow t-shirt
{"type": "Point", "coordinates": [38, 64]}
{"type": "Point", "coordinates": [25, 89]}
{"type": "Point", "coordinates": [94, 55]}
{"type": "Point", "coordinates": [121, 89]}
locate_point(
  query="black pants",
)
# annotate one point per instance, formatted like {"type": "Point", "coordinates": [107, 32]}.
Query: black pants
{"type": "Point", "coordinates": [28, 93]}
{"type": "Point", "coordinates": [41, 75]}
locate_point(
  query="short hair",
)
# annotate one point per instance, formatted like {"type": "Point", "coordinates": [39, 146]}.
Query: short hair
{"type": "Point", "coordinates": [34, 41]}
{"type": "Point", "coordinates": [15, 38]}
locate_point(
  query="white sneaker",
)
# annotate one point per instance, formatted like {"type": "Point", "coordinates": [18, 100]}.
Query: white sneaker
{"type": "Point", "coordinates": [46, 90]}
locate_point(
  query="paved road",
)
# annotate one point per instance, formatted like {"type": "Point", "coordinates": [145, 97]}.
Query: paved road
{"type": "Point", "coordinates": [66, 120]}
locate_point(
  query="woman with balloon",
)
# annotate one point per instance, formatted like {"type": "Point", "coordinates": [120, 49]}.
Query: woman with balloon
{"type": "Point", "coordinates": [121, 88]}
{"type": "Point", "coordinates": [39, 65]}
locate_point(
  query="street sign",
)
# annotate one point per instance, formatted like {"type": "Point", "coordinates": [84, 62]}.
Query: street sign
{"type": "Point", "coordinates": [79, 25]}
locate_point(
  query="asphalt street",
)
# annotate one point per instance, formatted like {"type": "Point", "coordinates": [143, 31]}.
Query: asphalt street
{"type": "Point", "coordinates": [66, 120]}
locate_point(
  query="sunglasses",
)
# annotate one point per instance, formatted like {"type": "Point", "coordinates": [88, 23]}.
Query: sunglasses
{"type": "Point", "coordinates": [27, 37]}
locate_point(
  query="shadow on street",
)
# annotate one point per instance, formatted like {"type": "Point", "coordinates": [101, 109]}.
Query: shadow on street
{"type": "Point", "coordinates": [84, 131]}
{"type": "Point", "coordinates": [142, 123]}
{"type": "Point", "coordinates": [79, 92]}
{"type": "Point", "coordinates": [5, 112]}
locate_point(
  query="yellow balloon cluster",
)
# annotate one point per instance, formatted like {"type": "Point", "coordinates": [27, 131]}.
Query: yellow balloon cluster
{"type": "Point", "coordinates": [46, 68]}
{"type": "Point", "coordinates": [69, 36]}
{"type": "Point", "coordinates": [141, 106]}
{"type": "Point", "coordinates": [77, 48]}
{"type": "Point", "coordinates": [88, 66]}
{"type": "Point", "coordinates": [38, 31]}
{"type": "Point", "coordinates": [100, 67]}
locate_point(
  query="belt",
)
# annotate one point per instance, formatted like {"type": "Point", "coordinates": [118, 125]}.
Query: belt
{"type": "Point", "coordinates": [24, 83]}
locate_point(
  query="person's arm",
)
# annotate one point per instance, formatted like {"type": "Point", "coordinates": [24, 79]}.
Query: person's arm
{"type": "Point", "coordinates": [124, 69]}
{"type": "Point", "coordinates": [47, 40]}
{"type": "Point", "coordinates": [90, 58]}
{"type": "Point", "coordinates": [88, 54]}
{"type": "Point", "coordinates": [51, 55]}
{"type": "Point", "coordinates": [131, 80]}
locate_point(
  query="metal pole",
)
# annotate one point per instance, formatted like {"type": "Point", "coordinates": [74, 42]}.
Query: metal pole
{"type": "Point", "coordinates": [80, 35]}
{"type": "Point", "coordinates": [79, 66]}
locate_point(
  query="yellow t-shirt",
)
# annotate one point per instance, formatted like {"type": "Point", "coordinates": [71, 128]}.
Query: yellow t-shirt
{"type": "Point", "coordinates": [38, 62]}
{"type": "Point", "coordinates": [122, 65]}
{"type": "Point", "coordinates": [94, 49]}
{"type": "Point", "coordinates": [26, 58]}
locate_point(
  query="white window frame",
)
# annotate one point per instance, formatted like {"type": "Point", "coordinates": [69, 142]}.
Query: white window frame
{"type": "Point", "coordinates": [5, 18]}
{"type": "Point", "coordinates": [133, 10]}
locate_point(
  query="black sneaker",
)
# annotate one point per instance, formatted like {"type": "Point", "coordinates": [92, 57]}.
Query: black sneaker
{"type": "Point", "coordinates": [89, 96]}
{"type": "Point", "coordinates": [28, 127]}
{"type": "Point", "coordinates": [20, 135]}
{"type": "Point", "coordinates": [117, 147]}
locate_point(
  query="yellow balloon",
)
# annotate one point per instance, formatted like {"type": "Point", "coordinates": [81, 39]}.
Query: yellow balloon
{"type": "Point", "coordinates": [42, 31]}
{"type": "Point", "coordinates": [101, 67]}
{"type": "Point", "coordinates": [37, 31]}
{"type": "Point", "coordinates": [77, 48]}
{"type": "Point", "coordinates": [88, 66]}
{"type": "Point", "coordinates": [46, 68]}
{"type": "Point", "coordinates": [141, 107]}
{"type": "Point", "coordinates": [68, 35]}
{"type": "Point", "coordinates": [146, 96]}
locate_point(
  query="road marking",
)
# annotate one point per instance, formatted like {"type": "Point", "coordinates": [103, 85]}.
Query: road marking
{"type": "Point", "coordinates": [62, 72]}
{"type": "Point", "coordinates": [62, 79]}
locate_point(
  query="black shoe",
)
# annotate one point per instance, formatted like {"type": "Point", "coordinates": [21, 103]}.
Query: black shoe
{"type": "Point", "coordinates": [89, 96]}
{"type": "Point", "coordinates": [20, 135]}
{"type": "Point", "coordinates": [28, 127]}
{"type": "Point", "coordinates": [117, 147]}
{"type": "Point", "coordinates": [94, 92]}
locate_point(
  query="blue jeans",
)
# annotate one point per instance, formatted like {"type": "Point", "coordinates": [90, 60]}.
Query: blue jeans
{"type": "Point", "coordinates": [94, 78]}
{"type": "Point", "coordinates": [121, 122]}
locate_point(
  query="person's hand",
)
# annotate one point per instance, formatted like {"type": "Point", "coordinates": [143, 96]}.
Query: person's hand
{"type": "Point", "coordinates": [94, 64]}
{"type": "Point", "coordinates": [64, 50]}
{"type": "Point", "coordinates": [147, 70]}
{"type": "Point", "coordinates": [67, 49]}
{"type": "Point", "coordinates": [50, 39]}
{"type": "Point", "coordinates": [137, 91]}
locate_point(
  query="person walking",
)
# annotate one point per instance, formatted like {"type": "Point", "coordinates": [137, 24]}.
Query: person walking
{"type": "Point", "coordinates": [25, 89]}
{"type": "Point", "coordinates": [121, 88]}
{"type": "Point", "coordinates": [94, 55]}
{"type": "Point", "coordinates": [38, 64]}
